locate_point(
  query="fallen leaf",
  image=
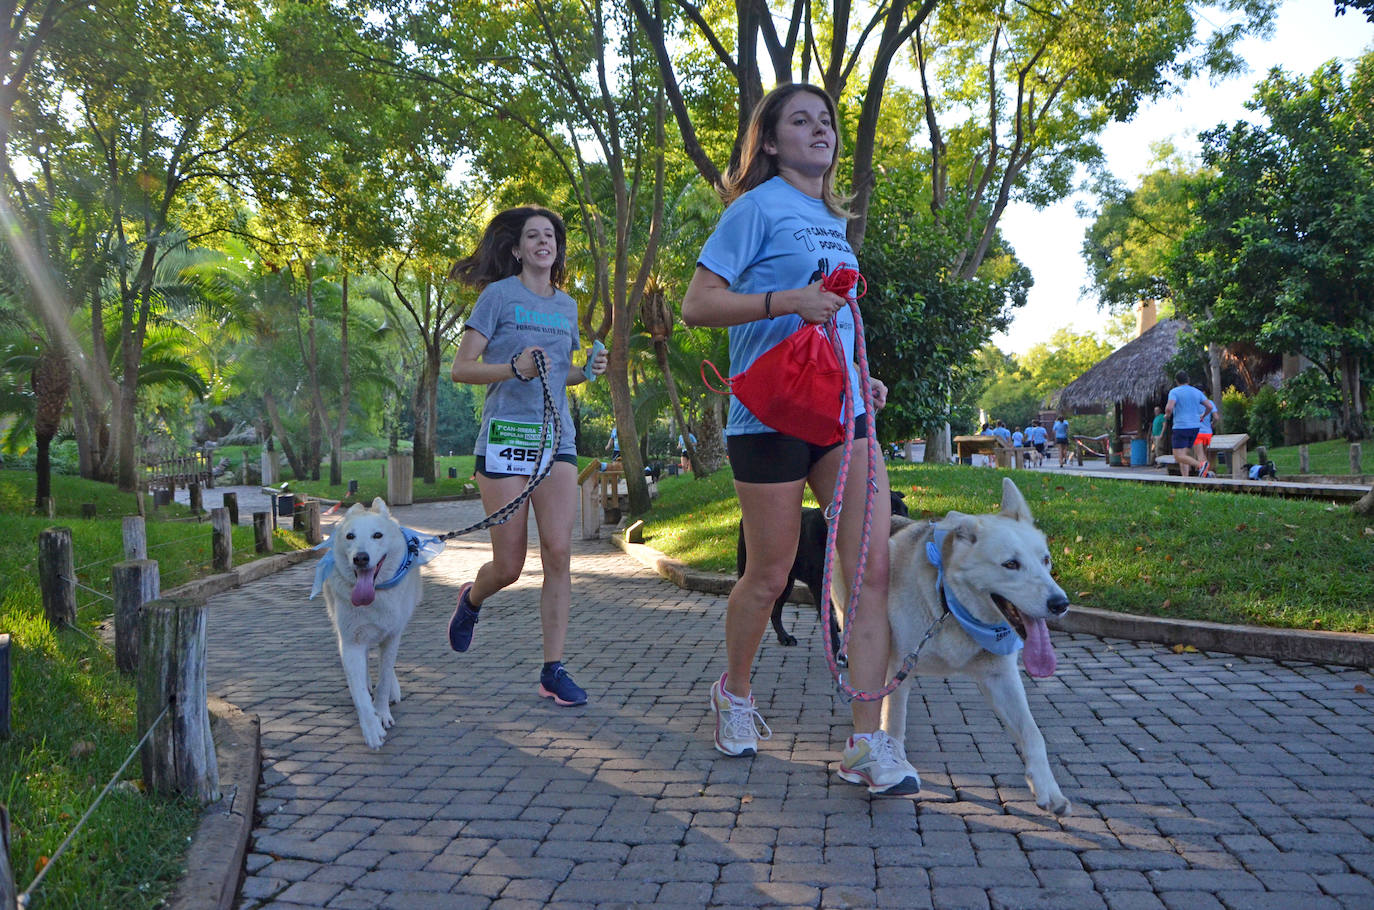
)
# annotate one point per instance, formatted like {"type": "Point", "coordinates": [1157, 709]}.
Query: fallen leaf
{"type": "Point", "coordinates": [1083, 594]}
{"type": "Point", "coordinates": [81, 748]}
{"type": "Point", "coordinates": [1078, 539]}
{"type": "Point", "coordinates": [1067, 551]}
{"type": "Point", "coordinates": [1177, 649]}
{"type": "Point", "coordinates": [747, 798]}
{"type": "Point", "coordinates": [1359, 688]}
{"type": "Point", "coordinates": [1266, 546]}
{"type": "Point", "coordinates": [1241, 527]}
{"type": "Point", "coordinates": [1168, 557]}
{"type": "Point", "coordinates": [1369, 532]}
{"type": "Point", "coordinates": [1316, 623]}
{"type": "Point", "coordinates": [40, 863]}
{"type": "Point", "coordinates": [1290, 527]}
{"type": "Point", "coordinates": [1138, 549]}
{"type": "Point", "coordinates": [1166, 605]}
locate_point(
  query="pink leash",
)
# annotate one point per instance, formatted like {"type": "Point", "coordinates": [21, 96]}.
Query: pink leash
{"type": "Point", "coordinates": [842, 281]}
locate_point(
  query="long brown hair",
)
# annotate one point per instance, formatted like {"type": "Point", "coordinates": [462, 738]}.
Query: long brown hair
{"type": "Point", "coordinates": [494, 257]}
{"type": "Point", "coordinates": [757, 166]}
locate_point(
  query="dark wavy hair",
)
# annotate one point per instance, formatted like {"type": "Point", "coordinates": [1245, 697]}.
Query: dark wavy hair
{"type": "Point", "coordinates": [757, 166]}
{"type": "Point", "coordinates": [494, 257]}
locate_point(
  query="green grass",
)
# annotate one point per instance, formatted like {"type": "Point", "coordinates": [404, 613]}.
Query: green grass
{"type": "Point", "coordinates": [1117, 545]}
{"type": "Point", "coordinates": [1331, 457]}
{"type": "Point", "coordinates": [67, 694]}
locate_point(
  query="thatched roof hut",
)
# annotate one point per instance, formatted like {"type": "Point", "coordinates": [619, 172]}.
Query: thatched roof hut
{"type": "Point", "coordinates": [1133, 374]}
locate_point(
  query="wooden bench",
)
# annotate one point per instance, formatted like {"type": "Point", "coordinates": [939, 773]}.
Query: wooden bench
{"type": "Point", "coordinates": [1235, 446]}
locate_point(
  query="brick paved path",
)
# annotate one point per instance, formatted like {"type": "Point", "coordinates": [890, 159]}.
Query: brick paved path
{"type": "Point", "coordinates": [1198, 781]}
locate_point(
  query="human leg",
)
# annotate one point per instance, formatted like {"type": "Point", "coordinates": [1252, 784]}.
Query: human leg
{"type": "Point", "coordinates": [508, 542]}
{"type": "Point", "coordinates": [1182, 443]}
{"type": "Point", "coordinates": [555, 512]}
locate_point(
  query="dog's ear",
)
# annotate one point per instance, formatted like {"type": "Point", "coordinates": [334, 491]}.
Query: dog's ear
{"type": "Point", "coordinates": [379, 506]}
{"type": "Point", "coordinates": [1013, 503]}
{"type": "Point", "coordinates": [355, 509]}
{"type": "Point", "coordinates": [961, 528]}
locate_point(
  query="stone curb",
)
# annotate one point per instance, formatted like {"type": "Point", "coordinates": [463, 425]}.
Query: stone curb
{"type": "Point", "coordinates": [214, 861]}
{"type": "Point", "coordinates": [211, 585]}
{"type": "Point", "coordinates": [1345, 648]}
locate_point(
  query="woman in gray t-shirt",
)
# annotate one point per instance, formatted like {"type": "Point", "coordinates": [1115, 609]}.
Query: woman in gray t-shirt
{"type": "Point", "coordinates": [518, 266]}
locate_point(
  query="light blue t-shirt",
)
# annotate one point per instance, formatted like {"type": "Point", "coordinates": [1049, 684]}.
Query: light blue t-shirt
{"type": "Point", "coordinates": [512, 317]}
{"type": "Point", "coordinates": [1003, 433]}
{"type": "Point", "coordinates": [1206, 425]}
{"type": "Point", "coordinates": [1018, 439]}
{"type": "Point", "coordinates": [1188, 404]}
{"type": "Point", "coordinates": [1061, 429]}
{"type": "Point", "coordinates": [776, 238]}
{"type": "Point", "coordinates": [1037, 435]}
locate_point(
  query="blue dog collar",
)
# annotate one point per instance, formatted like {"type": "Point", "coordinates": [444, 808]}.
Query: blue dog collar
{"type": "Point", "coordinates": [998, 639]}
{"type": "Point", "coordinates": [420, 549]}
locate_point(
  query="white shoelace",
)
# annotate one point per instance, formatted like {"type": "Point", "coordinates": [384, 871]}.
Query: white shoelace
{"type": "Point", "coordinates": [743, 721]}
{"type": "Point", "coordinates": [884, 750]}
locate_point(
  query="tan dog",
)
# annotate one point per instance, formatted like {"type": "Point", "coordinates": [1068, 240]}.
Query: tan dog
{"type": "Point", "coordinates": [997, 567]}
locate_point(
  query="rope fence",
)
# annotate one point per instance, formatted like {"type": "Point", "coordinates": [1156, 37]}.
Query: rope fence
{"type": "Point", "coordinates": [24, 899]}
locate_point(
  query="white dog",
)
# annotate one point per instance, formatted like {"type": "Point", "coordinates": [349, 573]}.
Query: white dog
{"type": "Point", "coordinates": [988, 576]}
{"type": "Point", "coordinates": [371, 581]}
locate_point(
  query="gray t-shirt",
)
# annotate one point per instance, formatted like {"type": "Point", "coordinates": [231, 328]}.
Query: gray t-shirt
{"type": "Point", "coordinates": [512, 317]}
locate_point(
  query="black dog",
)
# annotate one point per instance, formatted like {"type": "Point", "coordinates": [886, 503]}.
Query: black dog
{"type": "Point", "coordinates": [808, 567]}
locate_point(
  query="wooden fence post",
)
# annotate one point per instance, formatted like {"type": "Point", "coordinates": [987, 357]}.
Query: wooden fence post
{"type": "Point", "coordinates": [179, 756]}
{"type": "Point", "coordinates": [135, 582]}
{"type": "Point", "coordinates": [311, 511]}
{"type": "Point", "coordinates": [9, 894]}
{"type": "Point", "coordinates": [196, 504]}
{"type": "Point", "coordinates": [88, 510]}
{"type": "Point", "coordinates": [221, 540]}
{"type": "Point", "coordinates": [1262, 455]}
{"type": "Point", "coordinates": [4, 685]}
{"type": "Point", "coordinates": [1356, 459]}
{"type": "Point", "coordinates": [135, 537]}
{"type": "Point", "coordinates": [272, 508]}
{"type": "Point", "coordinates": [231, 502]}
{"type": "Point", "coordinates": [400, 480]}
{"type": "Point", "coordinates": [47, 506]}
{"type": "Point", "coordinates": [57, 576]}
{"type": "Point", "coordinates": [262, 532]}
{"type": "Point", "coordinates": [1304, 461]}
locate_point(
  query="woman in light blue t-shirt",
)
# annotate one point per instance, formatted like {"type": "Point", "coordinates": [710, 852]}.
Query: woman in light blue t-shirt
{"type": "Point", "coordinates": [760, 275]}
{"type": "Point", "coordinates": [518, 266]}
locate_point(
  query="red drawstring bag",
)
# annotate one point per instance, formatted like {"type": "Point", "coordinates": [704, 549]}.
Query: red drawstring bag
{"type": "Point", "coordinates": [797, 386]}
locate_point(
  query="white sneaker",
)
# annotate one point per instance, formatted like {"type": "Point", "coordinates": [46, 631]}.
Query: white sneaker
{"type": "Point", "coordinates": [739, 726]}
{"type": "Point", "coordinates": [880, 762]}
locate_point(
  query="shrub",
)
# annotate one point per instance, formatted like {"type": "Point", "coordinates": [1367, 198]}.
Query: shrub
{"type": "Point", "coordinates": [1265, 424]}
{"type": "Point", "coordinates": [1234, 411]}
{"type": "Point", "coordinates": [1310, 395]}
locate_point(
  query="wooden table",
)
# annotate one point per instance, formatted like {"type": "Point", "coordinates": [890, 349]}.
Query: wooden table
{"type": "Point", "coordinates": [968, 446]}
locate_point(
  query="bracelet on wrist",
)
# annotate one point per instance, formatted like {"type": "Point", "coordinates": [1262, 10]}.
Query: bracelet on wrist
{"type": "Point", "coordinates": [514, 357]}
{"type": "Point", "coordinates": [768, 304]}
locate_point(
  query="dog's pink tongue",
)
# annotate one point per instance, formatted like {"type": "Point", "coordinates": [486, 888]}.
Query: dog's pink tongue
{"type": "Point", "coordinates": [365, 590]}
{"type": "Point", "coordinates": [1038, 654]}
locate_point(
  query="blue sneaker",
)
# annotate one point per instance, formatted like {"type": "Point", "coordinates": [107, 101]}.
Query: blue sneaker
{"type": "Point", "coordinates": [557, 683]}
{"type": "Point", "coordinates": [464, 619]}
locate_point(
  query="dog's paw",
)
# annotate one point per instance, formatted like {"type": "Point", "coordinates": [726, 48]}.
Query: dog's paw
{"type": "Point", "coordinates": [384, 716]}
{"type": "Point", "coordinates": [373, 734]}
{"type": "Point", "coordinates": [787, 641]}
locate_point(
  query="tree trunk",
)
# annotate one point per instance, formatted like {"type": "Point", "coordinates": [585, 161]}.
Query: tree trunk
{"type": "Point", "coordinates": [710, 452]}
{"type": "Point", "coordinates": [938, 449]}
{"type": "Point", "coordinates": [1365, 504]}
{"type": "Point", "coordinates": [425, 406]}
{"type": "Point", "coordinates": [345, 393]}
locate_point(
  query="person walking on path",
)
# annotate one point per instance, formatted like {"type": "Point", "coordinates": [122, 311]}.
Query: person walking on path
{"type": "Point", "coordinates": [759, 274]}
{"type": "Point", "coordinates": [1186, 406]}
{"type": "Point", "coordinates": [1204, 432]}
{"type": "Point", "coordinates": [520, 311]}
{"type": "Point", "coordinates": [1061, 438]}
{"type": "Point", "coordinates": [1157, 434]}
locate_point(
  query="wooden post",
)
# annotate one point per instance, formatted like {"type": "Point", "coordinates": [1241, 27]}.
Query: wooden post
{"type": "Point", "coordinates": [587, 483]}
{"type": "Point", "coordinates": [47, 506]}
{"type": "Point", "coordinates": [311, 513]}
{"type": "Point", "coordinates": [1356, 460]}
{"type": "Point", "coordinates": [231, 502]}
{"type": "Point", "coordinates": [88, 510]}
{"type": "Point", "coordinates": [136, 582]}
{"type": "Point", "coordinates": [298, 518]}
{"type": "Point", "coordinates": [135, 537]}
{"type": "Point", "coordinates": [179, 756]}
{"type": "Point", "coordinates": [221, 540]}
{"type": "Point", "coordinates": [1304, 464]}
{"type": "Point", "coordinates": [262, 532]}
{"type": "Point", "coordinates": [400, 480]}
{"type": "Point", "coordinates": [272, 506]}
{"type": "Point", "coordinates": [196, 505]}
{"type": "Point", "coordinates": [57, 576]}
{"type": "Point", "coordinates": [4, 685]}
{"type": "Point", "coordinates": [9, 894]}
{"type": "Point", "coordinates": [1261, 454]}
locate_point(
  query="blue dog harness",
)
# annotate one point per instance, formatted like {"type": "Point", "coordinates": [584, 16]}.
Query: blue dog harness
{"type": "Point", "coordinates": [998, 639]}
{"type": "Point", "coordinates": [420, 549]}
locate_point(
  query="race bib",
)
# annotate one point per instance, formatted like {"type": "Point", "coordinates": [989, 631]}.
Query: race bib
{"type": "Point", "coordinates": [513, 448]}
